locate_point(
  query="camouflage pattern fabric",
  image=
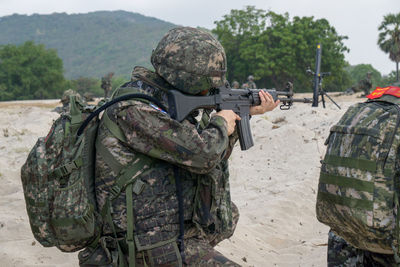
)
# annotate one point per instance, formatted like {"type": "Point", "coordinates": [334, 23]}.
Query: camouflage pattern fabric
{"type": "Point", "coordinates": [198, 251]}
{"type": "Point", "coordinates": [65, 101]}
{"type": "Point", "coordinates": [58, 183]}
{"type": "Point", "coordinates": [106, 84]}
{"type": "Point", "coordinates": [365, 84]}
{"type": "Point", "coordinates": [235, 85]}
{"type": "Point", "coordinates": [200, 155]}
{"type": "Point", "coordinates": [342, 254]}
{"type": "Point", "coordinates": [251, 85]}
{"type": "Point", "coordinates": [250, 82]}
{"type": "Point", "coordinates": [358, 187]}
{"type": "Point", "coordinates": [190, 59]}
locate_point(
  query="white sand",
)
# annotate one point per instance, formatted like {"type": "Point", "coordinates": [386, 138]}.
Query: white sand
{"type": "Point", "coordinates": [273, 184]}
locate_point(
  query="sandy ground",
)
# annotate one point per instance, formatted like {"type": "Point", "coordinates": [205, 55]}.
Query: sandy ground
{"type": "Point", "coordinates": [273, 184]}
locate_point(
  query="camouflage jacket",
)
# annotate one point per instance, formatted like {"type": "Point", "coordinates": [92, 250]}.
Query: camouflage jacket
{"type": "Point", "coordinates": [252, 85]}
{"type": "Point", "coordinates": [200, 155]}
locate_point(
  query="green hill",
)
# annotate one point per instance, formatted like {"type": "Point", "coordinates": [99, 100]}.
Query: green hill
{"type": "Point", "coordinates": [92, 44]}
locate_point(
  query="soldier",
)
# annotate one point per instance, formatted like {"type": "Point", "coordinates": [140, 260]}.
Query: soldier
{"type": "Point", "coordinates": [65, 100]}
{"type": "Point", "coordinates": [180, 207]}
{"type": "Point", "coordinates": [357, 191]}
{"type": "Point", "coordinates": [250, 82]}
{"type": "Point", "coordinates": [235, 85]}
{"type": "Point", "coordinates": [365, 84]}
{"type": "Point", "coordinates": [106, 84]}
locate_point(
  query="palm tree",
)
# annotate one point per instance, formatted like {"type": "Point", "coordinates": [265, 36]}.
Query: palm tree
{"type": "Point", "coordinates": [389, 38]}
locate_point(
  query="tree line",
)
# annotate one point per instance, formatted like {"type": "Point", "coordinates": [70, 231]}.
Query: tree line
{"type": "Point", "coordinates": [30, 71]}
{"type": "Point", "coordinates": [272, 47]}
{"type": "Point", "coordinates": [275, 48]}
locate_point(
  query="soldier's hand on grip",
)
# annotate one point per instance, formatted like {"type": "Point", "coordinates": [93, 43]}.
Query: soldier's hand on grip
{"type": "Point", "coordinates": [230, 117]}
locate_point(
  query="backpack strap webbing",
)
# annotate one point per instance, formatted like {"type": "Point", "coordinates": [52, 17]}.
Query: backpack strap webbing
{"type": "Point", "coordinates": [116, 100]}
{"type": "Point", "coordinates": [113, 128]}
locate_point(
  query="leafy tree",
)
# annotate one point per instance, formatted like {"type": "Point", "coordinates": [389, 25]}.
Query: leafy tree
{"type": "Point", "coordinates": [30, 71]}
{"type": "Point", "coordinates": [389, 38]}
{"type": "Point", "coordinates": [359, 72]}
{"type": "Point", "coordinates": [390, 80]}
{"type": "Point", "coordinates": [117, 81]}
{"type": "Point", "coordinates": [90, 44]}
{"type": "Point", "coordinates": [92, 85]}
{"type": "Point", "coordinates": [84, 85]}
{"type": "Point", "coordinates": [276, 49]}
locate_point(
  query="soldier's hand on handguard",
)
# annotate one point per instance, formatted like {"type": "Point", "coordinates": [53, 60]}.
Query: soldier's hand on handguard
{"type": "Point", "coordinates": [267, 104]}
{"type": "Point", "coordinates": [230, 117]}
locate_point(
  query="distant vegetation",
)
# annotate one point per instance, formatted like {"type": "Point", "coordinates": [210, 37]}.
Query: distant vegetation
{"type": "Point", "coordinates": [92, 44]}
{"type": "Point", "coordinates": [276, 49]}
{"type": "Point", "coordinates": [30, 71]}
{"type": "Point", "coordinates": [389, 38]}
{"type": "Point", "coordinates": [38, 51]}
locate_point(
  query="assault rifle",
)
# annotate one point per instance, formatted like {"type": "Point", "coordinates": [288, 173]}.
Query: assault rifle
{"type": "Point", "coordinates": [238, 100]}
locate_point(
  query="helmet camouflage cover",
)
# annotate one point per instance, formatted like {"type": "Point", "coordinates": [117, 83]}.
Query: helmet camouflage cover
{"type": "Point", "coordinates": [190, 59]}
{"type": "Point", "coordinates": [67, 94]}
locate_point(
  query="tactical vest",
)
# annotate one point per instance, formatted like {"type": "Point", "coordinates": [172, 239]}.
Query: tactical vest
{"type": "Point", "coordinates": [358, 191]}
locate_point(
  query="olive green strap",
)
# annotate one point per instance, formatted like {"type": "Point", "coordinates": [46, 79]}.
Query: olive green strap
{"type": "Point", "coordinates": [347, 182]}
{"type": "Point", "coordinates": [346, 201]}
{"type": "Point", "coordinates": [76, 115]}
{"type": "Point", "coordinates": [113, 127]}
{"type": "Point", "coordinates": [67, 168]}
{"type": "Point", "coordinates": [361, 164]}
{"type": "Point", "coordinates": [129, 174]}
{"type": "Point", "coordinates": [108, 157]}
{"type": "Point", "coordinates": [82, 220]}
{"type": "Point", "coordinates": [130, 226]}
{"type": "Point", "coordinates": [106, 215]}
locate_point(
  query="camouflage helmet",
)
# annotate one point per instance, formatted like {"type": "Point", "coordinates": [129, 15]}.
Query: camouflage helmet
{"type": "Point", "coordinates": [190, 59]}
{"type": "Point", "coordinates": [67, 94]}
{"type": "Point", "coordinates": [250, 78]}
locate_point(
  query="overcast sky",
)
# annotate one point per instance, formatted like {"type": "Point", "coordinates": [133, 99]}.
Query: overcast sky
{"type": "Point", "coordinates": [357, 19]}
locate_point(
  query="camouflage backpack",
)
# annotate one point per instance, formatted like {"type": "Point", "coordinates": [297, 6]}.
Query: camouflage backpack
{"type": "Point", "coordinates": [58, 182]}
{"type": "Point", "coordinates": [58, 178]}
{"type": "Point", "coordinates": [358, 191]}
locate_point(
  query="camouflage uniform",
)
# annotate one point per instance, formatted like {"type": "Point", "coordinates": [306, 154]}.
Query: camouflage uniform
{"type": "Point", "coordinates": [235, 85]}
{"type": "Point", "coordinates": [365, 84]}
{"type": "Point", "coordinates": [355, 197]}
{"type": "Point", "coordinates": [250, 82]}
{"type": "Point", "coordinates": [340, 254]}
{"type": "Point", "coordinates": [65, 100]}
{"type": "Point", "coordinates": [106, 84]}
{"type": "Point", "coordinates": [195, 151]}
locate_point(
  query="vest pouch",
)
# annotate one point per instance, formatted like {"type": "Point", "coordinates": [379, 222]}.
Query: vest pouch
{"type": "Point", "coordinates": [105, 253]}
{"type": "Point", "coordinates": [163, 253]}
{"type": "Point", "coordinates": [74, 219]}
